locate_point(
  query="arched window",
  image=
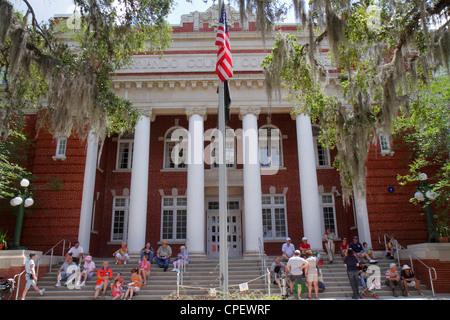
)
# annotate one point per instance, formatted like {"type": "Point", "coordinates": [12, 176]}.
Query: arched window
{"type": "Point", "coordinates": [230, 147]}
{"type": "Point", "coordinates": [176, 148]}
{"type": "Point", "coordinates": [270, 146]}
{"type": "Point", "coordinates": [322, 154]}
{"type": "Point", "coordinates": [125, 146]}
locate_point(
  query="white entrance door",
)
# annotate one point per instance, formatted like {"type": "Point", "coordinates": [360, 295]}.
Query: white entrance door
{"type": "Point", "coordinates": [234, 236]}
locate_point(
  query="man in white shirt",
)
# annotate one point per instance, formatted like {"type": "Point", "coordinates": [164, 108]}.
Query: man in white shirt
{"type": "Point", "coordinates": [64, 272]}
{"type": "Point", "coordinates": [31, 276]}
{"type": "Point", "coordinates": [77, 253]}
{"type": "Point", "coordinates": [287, 249]}
{"type": "Point", "coordinates": [295, 267]}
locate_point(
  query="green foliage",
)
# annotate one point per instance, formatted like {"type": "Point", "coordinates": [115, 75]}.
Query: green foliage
{"type": "Point", "coordinates": [425, 130]}
{"type": "Point", "coordinates": [386, 51]}
{"type": "Point", "coordinates": [4, 239]}
{"type": "Point", "coordinates": [71, 86]}
{"type": "Point", "coordinates": [232, 295]}
{"type": "Point", "coordinates": [12, 156]}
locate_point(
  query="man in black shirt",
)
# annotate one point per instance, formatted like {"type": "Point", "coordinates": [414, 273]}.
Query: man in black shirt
{"type": "Point", "coordinates": [358, 249]}
{"type": "Point", "coordinates": [408, 279]}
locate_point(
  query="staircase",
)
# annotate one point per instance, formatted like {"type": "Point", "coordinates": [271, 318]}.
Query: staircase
{"type": "Point", "coordinates": [202, 274]}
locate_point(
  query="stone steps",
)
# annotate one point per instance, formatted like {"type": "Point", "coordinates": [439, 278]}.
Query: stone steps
{"type": "Point", "coordinates": [202, 274]}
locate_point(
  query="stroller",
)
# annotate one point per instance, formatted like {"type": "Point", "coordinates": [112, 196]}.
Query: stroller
{"type": "Point", "coordinates": [372, 276]}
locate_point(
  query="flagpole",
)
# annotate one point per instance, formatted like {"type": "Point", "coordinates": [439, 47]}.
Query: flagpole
{"type": "Point", "coordinates": [223, 249]}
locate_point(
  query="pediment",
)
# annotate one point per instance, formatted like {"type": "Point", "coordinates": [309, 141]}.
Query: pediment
{"type": "Point", "coordinates": [211, 17]}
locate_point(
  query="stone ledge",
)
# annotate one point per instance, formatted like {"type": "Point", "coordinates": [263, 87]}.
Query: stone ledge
{"type": "Point", "coordinates": [429, 251]}
{"type": "Point", "coordinates": [18, 258]}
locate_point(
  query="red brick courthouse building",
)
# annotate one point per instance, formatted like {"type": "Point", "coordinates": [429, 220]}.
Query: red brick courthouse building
{"type": "Point", "coordinates": [135, 187]}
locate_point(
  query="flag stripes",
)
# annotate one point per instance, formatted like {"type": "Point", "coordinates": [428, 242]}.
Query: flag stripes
{"type": "Point", "coordinates": [224, 65]}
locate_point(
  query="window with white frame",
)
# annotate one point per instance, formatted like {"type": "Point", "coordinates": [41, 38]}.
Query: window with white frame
{"type": "Point", "coordinates": [329, 211]}
{"type": "Point", "coordinates": [125, 146]}
{"type": "Point", "coordinates": [175, 148]}
{"type": "Point", "coordinates": [230, 149]}
{"type": "Point", "coordinates": [174, 213]}
{"type": "Point", "coordinates": [119, 226]}
{"type": "Point", "coordinates": [61, 147]}
{"type": "Point", "coordinates": [322, 154]}
{"type": "Point", "coordinates": [274, 217]}
{"type": "Point", "coordinates": [385, 145]}
{"type": "Point", "coordinates": [270, 146]}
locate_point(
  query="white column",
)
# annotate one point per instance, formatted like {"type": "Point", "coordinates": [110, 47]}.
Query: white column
{"type": "Point", "coordinates": [137, 221]}
{"type": "Point", "coordinates": [252, 180]}
{"type": "Point", "coordinates": [195, 220]}
{"type": "Point", "coordinates": [362, 218]}
{"type": "Point", "coordinates": [84, 231]}
{"type": "Point", "coordinates": [308, 182]}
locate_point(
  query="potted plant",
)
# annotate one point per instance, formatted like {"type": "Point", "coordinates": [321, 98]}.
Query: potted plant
{"type": "Point", "coordinates": [3, 239]}
{"type": "Point", "coordinates": [442, 231]}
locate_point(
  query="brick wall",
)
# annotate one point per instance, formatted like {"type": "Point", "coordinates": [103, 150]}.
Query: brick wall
{"type": "Point", "coordinates": [391, 213]}
{"type": "Point", "coordinates": [20, 281]}
{"type": "Point", "coordinates": [56, 213]}
{"type": "Point", "coordinates": [442, 284]}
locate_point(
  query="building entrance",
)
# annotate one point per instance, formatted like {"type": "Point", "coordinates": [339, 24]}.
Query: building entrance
{"type": "Point", "coordinates": [234, 234]}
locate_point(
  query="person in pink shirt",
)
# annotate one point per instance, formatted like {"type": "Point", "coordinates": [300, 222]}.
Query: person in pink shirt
{"type": "Point", "coordinates": [144, 268]}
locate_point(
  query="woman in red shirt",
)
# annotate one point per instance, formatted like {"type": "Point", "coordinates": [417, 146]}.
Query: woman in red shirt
{"type": "Point", "coordinates": [344, 247]}
{"type": "Point", "coordinates": [305, 246]}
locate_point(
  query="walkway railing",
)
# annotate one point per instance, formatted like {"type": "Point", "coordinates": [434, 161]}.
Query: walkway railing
{"type": "Point", "coordinates": [16, 280]}
{"type": "Point", "coordinates": [262, 258]}
{"type": "Point", "coordinates": [51, 252]}
{"type": "Point", "coordinates": [266, 276]}
{"type": "Point", "coordinates": [398, 246]}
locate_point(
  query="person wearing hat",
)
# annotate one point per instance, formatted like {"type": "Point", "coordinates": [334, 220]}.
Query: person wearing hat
{"type": "Point", "coordinates": [31, 276]}
{"type": "Point", "coordinates": [409, 280]}
{"type": "Point", "coordinates": [305, 246]}
{"type": "Point", "coordinates": [358, 249]}
{"type": "Point", "coordinates": [295, 267]}
{"type": "Point", "coordinates": [288, 249]}
{"type": "Point", "coordinates": [88, 269]}
{"type": "Point", "coordinates": [163, 255]}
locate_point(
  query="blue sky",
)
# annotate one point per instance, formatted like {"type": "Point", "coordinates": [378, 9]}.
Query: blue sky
{"type": "Point", "coordinates": [46, 9]}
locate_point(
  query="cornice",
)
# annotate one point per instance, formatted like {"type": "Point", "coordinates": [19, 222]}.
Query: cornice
{"type": "Point", "coordinates": [195, 110]}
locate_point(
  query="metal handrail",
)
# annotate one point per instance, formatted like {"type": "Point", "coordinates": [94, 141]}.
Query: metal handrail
{"type": "Point", "coordinates": [16, 284]}
{"type": "Point", "coordinates": [411, 255]}
{"type": "Point", "coordinates": [261, 258]}
{"type": "Point", "coordinates": [51, 250]}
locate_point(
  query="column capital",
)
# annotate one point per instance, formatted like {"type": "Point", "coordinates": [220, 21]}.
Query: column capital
{"type": "Point", "coordinates": [295, 113]}
{"type": "Point", "coordinates": [249, 110]}
{"type": "Point", "coordinates": [147, 112]}
{"type": "Point", "coordinates": [195, 110]}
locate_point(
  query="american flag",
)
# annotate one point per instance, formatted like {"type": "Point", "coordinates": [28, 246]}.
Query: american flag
{"type": "Point", "coordinates": [224, 65]}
